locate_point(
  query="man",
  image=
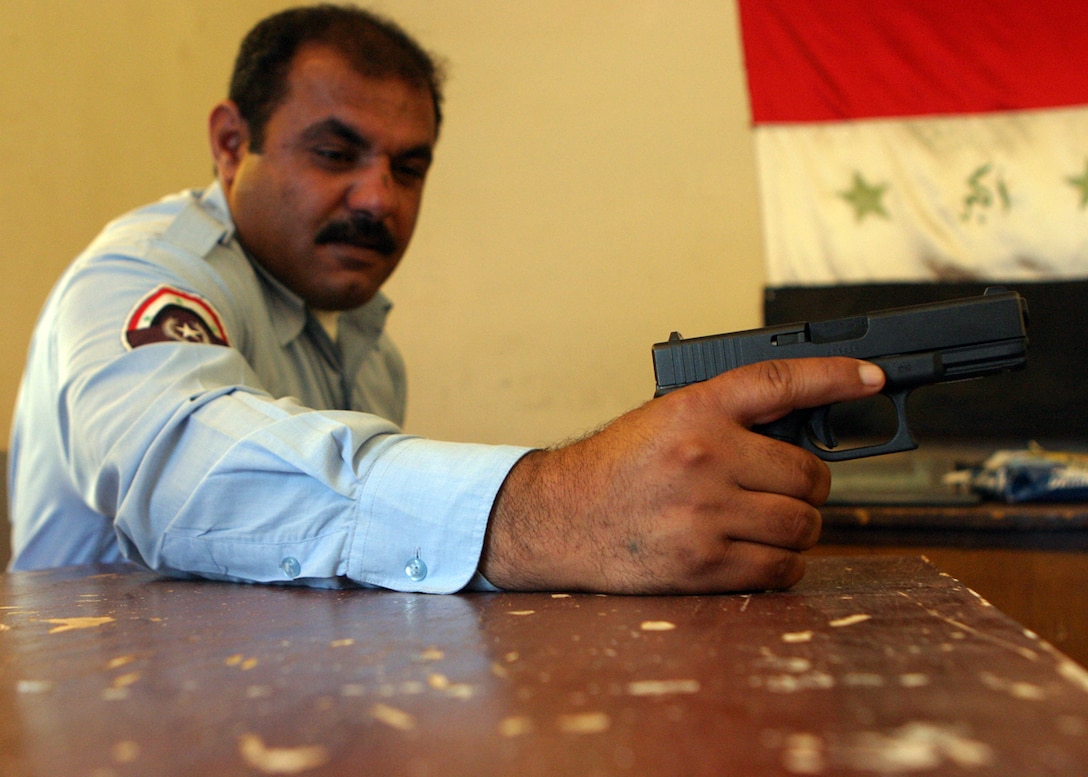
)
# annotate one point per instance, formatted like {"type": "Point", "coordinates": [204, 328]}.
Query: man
{"type": "Point", "coordinates": [209, 390]}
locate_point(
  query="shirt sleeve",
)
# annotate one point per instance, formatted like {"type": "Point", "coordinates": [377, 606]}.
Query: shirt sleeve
{"type": "Point", "coordinates": [205, 473]}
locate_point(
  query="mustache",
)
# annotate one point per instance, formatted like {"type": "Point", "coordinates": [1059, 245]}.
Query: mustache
{"type": "Point", "coordinates": [360, 231]}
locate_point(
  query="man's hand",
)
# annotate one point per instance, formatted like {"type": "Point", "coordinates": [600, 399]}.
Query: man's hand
{"type": "Point", "coordinates": [679, 495]}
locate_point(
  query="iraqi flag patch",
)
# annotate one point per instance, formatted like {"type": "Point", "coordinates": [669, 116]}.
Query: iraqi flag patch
{"type": "Point", "coordinates": [170, 315]}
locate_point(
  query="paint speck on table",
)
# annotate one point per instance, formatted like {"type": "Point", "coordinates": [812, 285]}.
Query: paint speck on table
{"type": "Point", "coordinates": [280, 760]}
{"type": "Point", "coordinates": [584, 723]}
{"type": "Point", "coordinates": [657, 626]}
{"type": "Point", "coordinates": [393, 717]}
{"type": "Point", "coordinates": [849, 620]}
{"type": "Point", "coordinates": [515, 726]}
{"type": "Point", "coordinates": [662, 687]}
{"type": "Point", "coordinates": [71, 624]}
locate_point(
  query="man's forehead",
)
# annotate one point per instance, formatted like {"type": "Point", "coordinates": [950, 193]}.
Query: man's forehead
{"type": "Point", "coordinates": [323, 76]}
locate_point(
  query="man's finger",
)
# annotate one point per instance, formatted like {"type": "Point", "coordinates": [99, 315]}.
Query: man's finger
{"type": "Point", "coordinates": [751, 566]}
{"type": "Point", "coordinates": [762, 392]}
{"type": "Point", "coordinates": [782, 468]}
{"type": "Point", "coordinates": [774, 520]}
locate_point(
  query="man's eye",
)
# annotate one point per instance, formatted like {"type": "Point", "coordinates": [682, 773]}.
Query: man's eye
{"type": "Point", "coordinates": [334, 156]}
{"type": "Point", "coordinates": [410, 171]}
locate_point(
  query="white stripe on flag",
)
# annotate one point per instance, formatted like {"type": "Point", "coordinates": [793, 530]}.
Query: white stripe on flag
{"type": "Point", "coordinates": [988, 197]}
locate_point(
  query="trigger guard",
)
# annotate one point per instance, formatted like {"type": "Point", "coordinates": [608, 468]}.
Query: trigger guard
{"type": "Point", "coordinates": [903, 440]}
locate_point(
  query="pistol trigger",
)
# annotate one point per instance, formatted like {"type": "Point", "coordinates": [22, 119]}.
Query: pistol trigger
{"type": "Point", "coordinates": [819, 427]}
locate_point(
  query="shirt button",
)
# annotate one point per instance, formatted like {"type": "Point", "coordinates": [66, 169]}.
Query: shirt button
{"type": "Point", "coordinates": [416, 569]}
{"type": "Point", "coordinates": [291, 567]}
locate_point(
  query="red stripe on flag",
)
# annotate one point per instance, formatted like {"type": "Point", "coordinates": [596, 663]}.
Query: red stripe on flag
{"type": "Point", "coordinates": [818, 60]}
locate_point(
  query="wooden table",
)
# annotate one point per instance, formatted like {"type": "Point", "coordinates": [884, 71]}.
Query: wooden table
{"type": "Point", "coordinates": [1029, 560]}
{"type": "Point", "coordinates": [869, 666]}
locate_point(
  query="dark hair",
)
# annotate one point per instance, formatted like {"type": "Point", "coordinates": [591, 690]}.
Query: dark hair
{"type": "Point", "coordinates": [376, 47]}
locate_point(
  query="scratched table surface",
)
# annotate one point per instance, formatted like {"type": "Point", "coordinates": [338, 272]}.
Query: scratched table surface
{"type": "Point", "coordinates": [870, 666]}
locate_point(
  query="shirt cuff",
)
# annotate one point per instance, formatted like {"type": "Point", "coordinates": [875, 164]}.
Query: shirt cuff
{"type": "Point", "coordinates": [480, 584]}
{"type": "Point", "coordinates": [423, 513]}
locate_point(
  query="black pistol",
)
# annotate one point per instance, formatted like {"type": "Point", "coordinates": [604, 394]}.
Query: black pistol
{"type": "Point", "coordinates": [915, 346]}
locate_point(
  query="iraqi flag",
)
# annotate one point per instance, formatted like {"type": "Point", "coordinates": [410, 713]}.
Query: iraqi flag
{"type": "Point", "coordinates": [920, 140]}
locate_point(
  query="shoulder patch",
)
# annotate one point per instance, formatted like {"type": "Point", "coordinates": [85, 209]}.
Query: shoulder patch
{"type": "Point", "coordinates": [171, 315]}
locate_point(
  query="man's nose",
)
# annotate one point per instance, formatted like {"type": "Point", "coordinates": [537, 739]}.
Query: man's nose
{"type": "Point", "coordinates": [371, 189]}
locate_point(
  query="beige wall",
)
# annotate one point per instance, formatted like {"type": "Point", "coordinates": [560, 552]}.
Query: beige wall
{"type": "Point", "coordinates": [594, 187]}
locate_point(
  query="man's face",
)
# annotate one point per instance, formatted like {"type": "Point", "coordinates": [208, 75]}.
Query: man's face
{"type": "Point", "coordinates": [329, 204]}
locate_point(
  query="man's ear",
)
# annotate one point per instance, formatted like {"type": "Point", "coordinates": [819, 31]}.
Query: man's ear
{"type": "Point", "coordinates": [228, 134]}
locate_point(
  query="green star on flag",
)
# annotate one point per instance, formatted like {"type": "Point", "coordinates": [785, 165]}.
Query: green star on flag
{"type": "Point", "coordinates": [865, 198]}
{"type": "Point", "coordinates": [1080, 183]}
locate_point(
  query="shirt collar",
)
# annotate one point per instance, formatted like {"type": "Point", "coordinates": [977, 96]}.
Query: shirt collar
{"type": "Point", "coordinates": [214, 201]}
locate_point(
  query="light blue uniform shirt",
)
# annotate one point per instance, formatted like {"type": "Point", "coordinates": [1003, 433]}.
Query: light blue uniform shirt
{"type": "Point", "coordinates": [276, 458]}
